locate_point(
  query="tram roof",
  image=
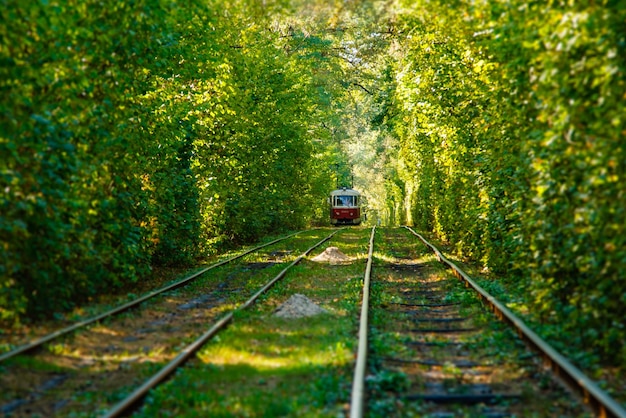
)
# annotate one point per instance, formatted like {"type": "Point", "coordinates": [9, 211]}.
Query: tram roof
{"type": "Point", "coordinates": [345, 192]}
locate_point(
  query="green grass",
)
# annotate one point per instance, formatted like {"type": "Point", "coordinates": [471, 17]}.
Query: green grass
{"type": "Point", "coordinates": [264, 366]}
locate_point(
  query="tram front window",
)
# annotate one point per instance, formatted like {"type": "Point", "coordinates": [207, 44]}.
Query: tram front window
{"type": "Point", "coordinates": [344, 201]}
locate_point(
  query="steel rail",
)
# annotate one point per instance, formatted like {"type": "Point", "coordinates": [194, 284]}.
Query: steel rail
{"type": "Point", "coordinates": [357, 400]}
{"type": "Point", "coordinates": [40, 341]}
{"type": "Point", "coordinates": [599, 400]}
{"type": "Point", "coordinates": [126, 405]}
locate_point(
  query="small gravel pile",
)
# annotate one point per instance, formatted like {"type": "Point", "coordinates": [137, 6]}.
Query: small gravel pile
{"type": "Point", "coordinates": [298, 306]}
{"type": "Point", "coordinates": [332, 255]}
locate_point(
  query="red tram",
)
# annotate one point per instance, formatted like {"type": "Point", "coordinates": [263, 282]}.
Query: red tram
{"type": "Point", "coordinates": [345, 207]}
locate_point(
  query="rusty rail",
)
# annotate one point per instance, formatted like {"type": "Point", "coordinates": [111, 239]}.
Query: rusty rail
{"type": "Point", "coordinates": [358, 382]}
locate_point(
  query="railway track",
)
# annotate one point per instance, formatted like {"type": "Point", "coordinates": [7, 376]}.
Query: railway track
{"type": "Point", "coordinates": [443, 354]}
{"type": "Point", "coordinates": [37, 343]}
{"type": "Point", "coordinates": [131, 400]}
{"type": "Point", "coordinates": [105, 357]}
{"type": "Point", "coordinates": [426, 346]}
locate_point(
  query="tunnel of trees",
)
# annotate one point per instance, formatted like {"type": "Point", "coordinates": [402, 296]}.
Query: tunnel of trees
{"type": "Point", "coordinates": [145, 133]}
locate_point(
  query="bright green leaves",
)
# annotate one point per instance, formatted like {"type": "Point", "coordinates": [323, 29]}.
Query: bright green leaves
{"type": "Point", "coordinates": [509, 119]}
{"type": "Point", "coordinates": [577, 84]}
{"type": "Point", "coordinates": [146, 132]}
{"type": "Point", "coordinates": [258, 156]}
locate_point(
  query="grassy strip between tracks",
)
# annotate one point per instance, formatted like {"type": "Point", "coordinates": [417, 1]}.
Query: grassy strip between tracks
{"type": "Point", "coordinates": [264, 366]}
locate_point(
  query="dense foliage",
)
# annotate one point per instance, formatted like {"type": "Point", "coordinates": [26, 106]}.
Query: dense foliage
{"type": "Point", "coordinates": [509, 119]}
{"type": "Point", "coordinates": [149, 132]}
{"type": "Point", "coordinates": [142, 133]}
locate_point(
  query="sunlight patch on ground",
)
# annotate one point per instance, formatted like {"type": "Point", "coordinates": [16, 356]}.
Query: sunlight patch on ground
{"type": "Point", "coordinates": [274, 357]}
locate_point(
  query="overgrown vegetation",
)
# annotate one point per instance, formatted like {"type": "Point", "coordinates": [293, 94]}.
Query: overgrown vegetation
{"type": "Point", "coordinates": [267, 366]}
{"type": "Point", "coordinates": [508, 117]}
{"type": "Point", "coordinates": [146, 133]}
